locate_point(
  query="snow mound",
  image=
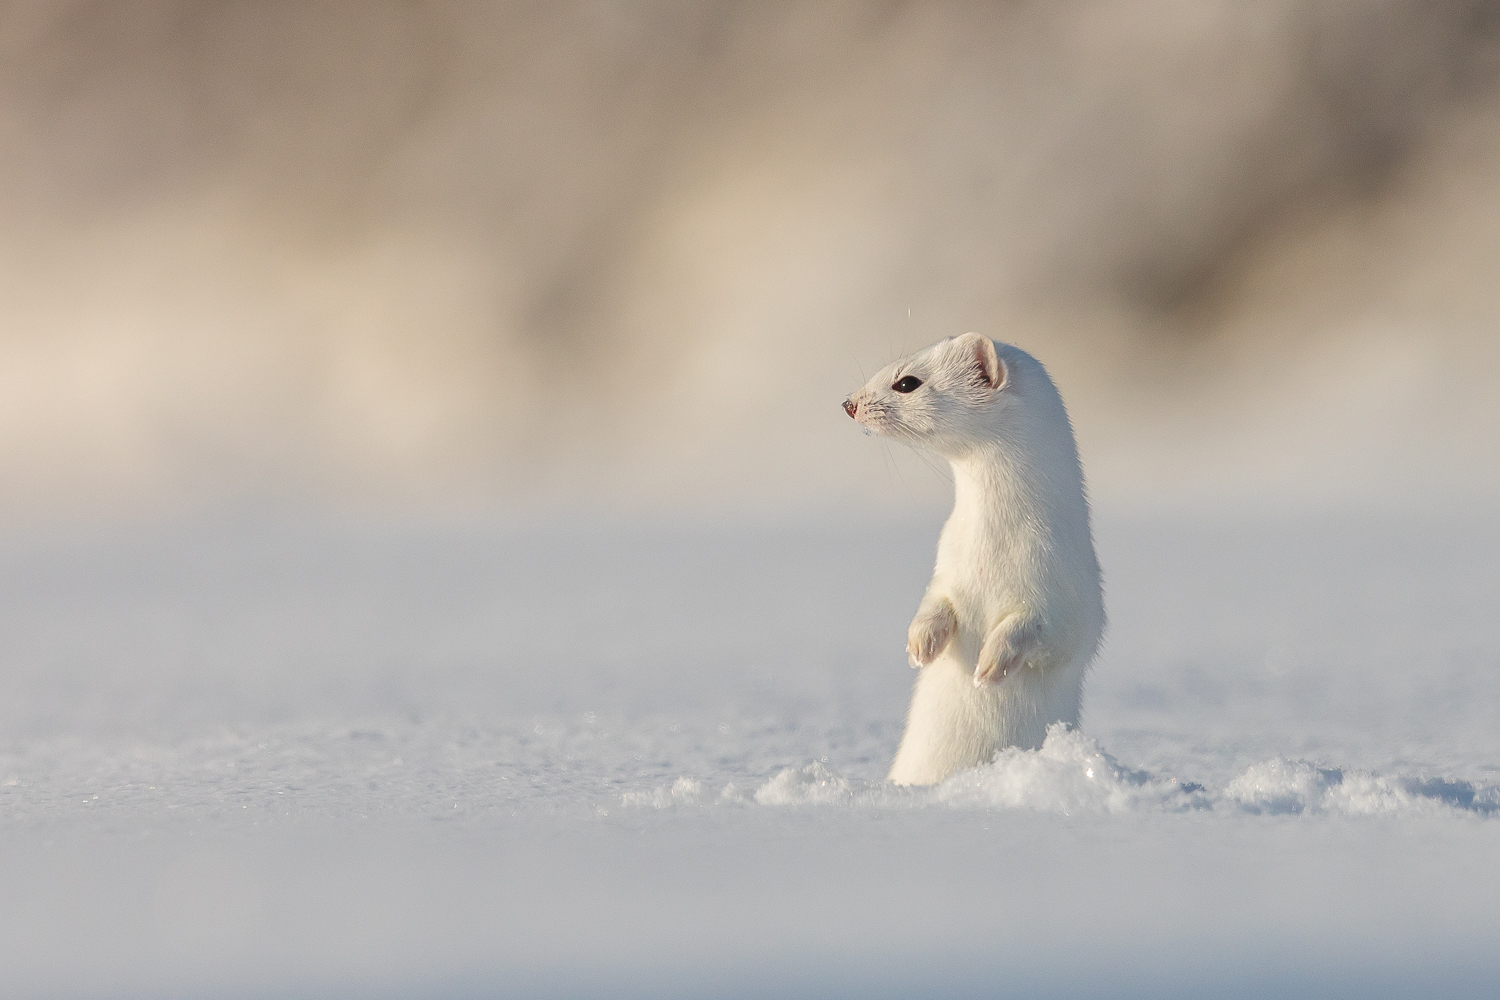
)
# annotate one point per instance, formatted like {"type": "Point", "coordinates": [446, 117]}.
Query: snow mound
{"type": "Point", "coordinates": [814, 783]}
{"type": "Point", "coordinates": [683, 791]}
{"type": "Point", "coordinates": [1282, 787]}
{"type": "Point", "coordinates": [1068, 774]}
{"type": "Point", "coordinates": [1071, 775]}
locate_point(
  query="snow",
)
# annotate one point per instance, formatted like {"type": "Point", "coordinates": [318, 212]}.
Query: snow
{"type": "Point", "coordinates": [288, 758]}
{"type": "Point", "coordinates": [1070, 774]}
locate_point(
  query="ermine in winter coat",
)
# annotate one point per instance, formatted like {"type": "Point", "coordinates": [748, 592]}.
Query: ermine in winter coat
{"type": "Point", "coordinates": [1014, 612]}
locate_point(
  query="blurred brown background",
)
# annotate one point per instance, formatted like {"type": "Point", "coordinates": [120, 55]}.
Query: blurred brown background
{"type": "Point", "coordinates": [444, 256]}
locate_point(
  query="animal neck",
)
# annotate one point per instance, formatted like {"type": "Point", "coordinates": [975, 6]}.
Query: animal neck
{"type": "Point", "coordinates": [999, 488]}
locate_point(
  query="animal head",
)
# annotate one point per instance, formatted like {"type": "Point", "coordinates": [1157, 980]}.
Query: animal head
{"type": "Point", "coordinates": [945, 398]}
{"type": "Point", "coordinates": [957, 394]}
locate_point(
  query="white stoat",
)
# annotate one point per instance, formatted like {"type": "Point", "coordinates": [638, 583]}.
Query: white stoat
{"type": "Point", "coordinates": [1014, 612]}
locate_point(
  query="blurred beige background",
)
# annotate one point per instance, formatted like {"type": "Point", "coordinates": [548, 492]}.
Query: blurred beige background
{"type": "Point", "coordinates": [447, 256]}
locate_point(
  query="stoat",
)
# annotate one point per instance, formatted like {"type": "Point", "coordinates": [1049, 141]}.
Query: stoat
{"type": "Point", "coordinates": [1015, 611]}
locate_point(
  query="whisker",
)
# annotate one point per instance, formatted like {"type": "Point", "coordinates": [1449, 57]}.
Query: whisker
{"type": "Point", "coordinates": [943, 472]}
{"type": "Point", "coordinates": [895, 464]}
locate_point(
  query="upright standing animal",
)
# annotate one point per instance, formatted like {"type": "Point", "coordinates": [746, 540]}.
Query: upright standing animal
{"type": "Point", "coordinates": [1015, 611]}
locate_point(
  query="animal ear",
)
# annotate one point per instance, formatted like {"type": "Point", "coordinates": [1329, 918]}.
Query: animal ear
{"type": "Point", "coordinates": [981, 349]}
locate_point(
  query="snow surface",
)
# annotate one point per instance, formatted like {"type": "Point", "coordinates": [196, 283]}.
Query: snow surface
{"type": "Point", "coordinates": [1069, 774]}
{"type": "Point", "coordinates": [295, 759]}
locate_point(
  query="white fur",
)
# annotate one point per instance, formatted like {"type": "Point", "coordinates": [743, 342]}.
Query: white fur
{"type": "Point", "coordinates": [1015, 611]}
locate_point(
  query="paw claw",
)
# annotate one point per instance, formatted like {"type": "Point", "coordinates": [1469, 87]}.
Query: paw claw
{"type": "Point", "coordinates": [995, 673]}
{"type": "Point", "coordinates": [927, 637]}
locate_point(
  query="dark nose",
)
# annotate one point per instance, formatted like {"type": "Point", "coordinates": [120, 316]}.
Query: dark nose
{"type": "Point", "coordinates": [851, 407]}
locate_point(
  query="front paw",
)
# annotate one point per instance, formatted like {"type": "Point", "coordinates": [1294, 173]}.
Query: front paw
{"type": "Point", "coordinates": [1015, 643]}
{"type": "Point", "coordinates": [930, 634]}
{"type": "Point", "coordinates": [997, 661]}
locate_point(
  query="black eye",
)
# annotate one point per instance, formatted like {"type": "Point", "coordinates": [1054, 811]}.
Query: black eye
{"type": "Point", "coordinates": [907, 384]}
